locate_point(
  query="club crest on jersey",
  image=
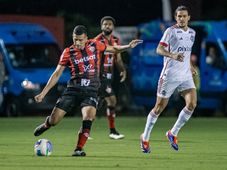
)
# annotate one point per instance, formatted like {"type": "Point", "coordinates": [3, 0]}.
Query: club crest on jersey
{"type": "Point", "coordinates": [92, 49]}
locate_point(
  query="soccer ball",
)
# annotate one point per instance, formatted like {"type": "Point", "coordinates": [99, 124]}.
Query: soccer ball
{"type": "Point", "coordinates": [43, 147]}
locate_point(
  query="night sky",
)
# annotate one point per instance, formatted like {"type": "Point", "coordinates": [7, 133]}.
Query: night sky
{"type": "Point", "coordinates": [126, 12]}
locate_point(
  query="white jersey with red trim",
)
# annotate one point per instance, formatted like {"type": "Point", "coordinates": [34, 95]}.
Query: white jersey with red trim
{"type": "Point", "coordinates": [176, 40]}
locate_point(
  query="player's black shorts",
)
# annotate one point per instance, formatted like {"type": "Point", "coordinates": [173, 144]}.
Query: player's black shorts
{"type": "Point", "coordinates": [106, 89]}
{"type": "Point", "coordinates": [76, 97]}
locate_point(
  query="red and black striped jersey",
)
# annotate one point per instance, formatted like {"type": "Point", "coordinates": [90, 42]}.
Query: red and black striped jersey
{"type": "Point", "coordinates": [84, 64]}
{"type": "Point", "coordinates": [108, 59]}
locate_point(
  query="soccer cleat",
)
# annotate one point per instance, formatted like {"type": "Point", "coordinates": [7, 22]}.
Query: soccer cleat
{"type": "Point", "coordinates": [144, 145]}
{"type": "Point", "coordinates": [40, 129]}
{"type": "Point", "coordinates": [79, 152]}
{"type": "Point", "coordinates": [172, 139]}
{"type": "Point", "coordinates": [115, 134]}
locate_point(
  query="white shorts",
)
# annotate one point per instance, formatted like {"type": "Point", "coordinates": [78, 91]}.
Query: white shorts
{"type": "Point", "coordinates": [166, 87]}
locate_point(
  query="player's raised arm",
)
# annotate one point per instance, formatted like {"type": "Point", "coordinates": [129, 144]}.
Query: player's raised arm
{"type": "Point", "coordinates": [122, 48]}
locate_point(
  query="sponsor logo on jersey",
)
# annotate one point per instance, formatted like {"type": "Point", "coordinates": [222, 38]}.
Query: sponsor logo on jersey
{"type": "Point", "coordinates": [183, 49]}
{"type": "Point", "coordinates": [84, 59]}
{"type": "Point", "coordinates": [179, 31]}
{"type": "Point", "coordinates": [88, 68]}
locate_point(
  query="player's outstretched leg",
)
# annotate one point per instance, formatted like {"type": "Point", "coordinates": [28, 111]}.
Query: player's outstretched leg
{"type": "Point", "coordinates": [43, 127]}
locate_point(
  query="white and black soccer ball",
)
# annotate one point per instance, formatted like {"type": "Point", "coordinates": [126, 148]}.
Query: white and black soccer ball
{"type": "Point", "coordinates": [43, 147]}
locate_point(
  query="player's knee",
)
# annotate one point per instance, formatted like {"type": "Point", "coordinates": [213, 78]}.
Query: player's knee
{"type": "Point", "coordinates": [89, 117]}
{"type": "Point", "coordinates": [191, 105]}
{"type": "Point", "coordinates": [158, 108]}
{"type": "Point", "coordinates": [158, 111]}
{"type": "Point", "coordinates": [112, 102]}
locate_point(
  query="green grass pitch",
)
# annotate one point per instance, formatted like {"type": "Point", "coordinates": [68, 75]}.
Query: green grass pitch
{"type": "Point", "coordinates": [202, 145]}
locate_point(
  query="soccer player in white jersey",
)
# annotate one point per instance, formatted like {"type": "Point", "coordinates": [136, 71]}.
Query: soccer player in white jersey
{"type": "Point", "coordinates": [177, 72]}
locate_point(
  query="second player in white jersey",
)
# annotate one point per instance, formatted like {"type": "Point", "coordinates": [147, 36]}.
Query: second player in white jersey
{"type": "Point", "coordinates": [176, 46]}
{"type": "Point", "coordinates": [176, 40]}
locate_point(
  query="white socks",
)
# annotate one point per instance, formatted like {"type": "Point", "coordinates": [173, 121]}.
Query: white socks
{"type": "Point", "coordinates": [183, 117]}
{"type": "Point", "coordinates": [151, 119]}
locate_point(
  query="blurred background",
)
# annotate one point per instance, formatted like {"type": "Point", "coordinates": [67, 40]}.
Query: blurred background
{"type": "Point", "coordinates": [34, 33]}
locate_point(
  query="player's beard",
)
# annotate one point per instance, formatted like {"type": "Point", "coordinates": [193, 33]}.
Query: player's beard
{"type": "Point", "coordinates": [183, 24]}
{"type": "Point", "coordinates": [107, 32]}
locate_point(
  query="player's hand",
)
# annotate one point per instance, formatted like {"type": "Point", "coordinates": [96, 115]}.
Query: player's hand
{"type": "Point", "coordinates": [123, 76]}
{"type": "Point", "coordinates": [135, 42]}
{"type": "Point", "coordinates": [39, 98]}
{"type": "Point", "coordinates": [178, 57]}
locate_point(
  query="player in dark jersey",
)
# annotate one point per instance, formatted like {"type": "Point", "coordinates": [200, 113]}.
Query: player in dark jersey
{"type": "Point", "coordinates": [107, 64]}
{"type": "Point", "coordinates": [83, 59]}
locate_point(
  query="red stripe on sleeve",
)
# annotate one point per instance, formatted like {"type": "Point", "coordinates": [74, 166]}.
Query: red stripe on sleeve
{"type": "Point", "coordinates": [64, 59]}
{"type": "Point", "coordinates": [163, 44]}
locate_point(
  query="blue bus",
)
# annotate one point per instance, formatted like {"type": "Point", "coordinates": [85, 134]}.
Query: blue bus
{"type": "Point", "coordinates": [30, 54]}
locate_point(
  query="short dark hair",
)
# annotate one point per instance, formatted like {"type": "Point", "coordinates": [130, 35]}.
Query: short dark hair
{"type": "Point", "coordinates": [79, 30]}
{"type": "Point", "coordinates": [181, 8]}
{"type": "Point", "coordinates": [108, 18]}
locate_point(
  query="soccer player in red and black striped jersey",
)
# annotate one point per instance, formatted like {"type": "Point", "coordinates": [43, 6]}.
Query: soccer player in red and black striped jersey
{"type": "Point", "coordinates": [83, 59]}
{"type": "Point", "coordinates": [107, 64]}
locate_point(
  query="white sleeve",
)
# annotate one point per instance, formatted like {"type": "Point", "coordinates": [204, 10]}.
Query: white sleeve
{"type": "Point", "coordinates": [166, 37]}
